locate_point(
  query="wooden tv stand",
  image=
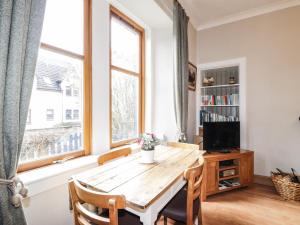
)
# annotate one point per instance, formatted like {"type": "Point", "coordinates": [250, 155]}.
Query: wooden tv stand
{"type": "Point", "coordinates": [242, 164]}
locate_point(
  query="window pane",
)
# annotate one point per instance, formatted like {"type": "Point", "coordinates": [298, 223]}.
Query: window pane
{"type": "Point", "coordinates": [125, 110]}
{"type": "Point", "coordinates": [68, 91]}
{"type": "Point", "coordinates": [50, 114]}
{"type": "Point", "coordinates": [68, 114]}
{"type": "Point", "coordinates": [76, 114]}
{"type": "Point", "coordinates": [63, 25]}
{"type": "Point", "coordinates": [125, 45]}
{"type": "Point", "coordinates": [54, 133]}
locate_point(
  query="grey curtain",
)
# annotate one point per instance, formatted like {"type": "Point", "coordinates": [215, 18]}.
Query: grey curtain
{"type": "Point", "coordinates": [20, 30]}
{"type": "Point", "coordinates": [180, 37]}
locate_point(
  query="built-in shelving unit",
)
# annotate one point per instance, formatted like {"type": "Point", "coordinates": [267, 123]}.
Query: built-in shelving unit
{"type": "Point", "coordinates": [222, 85]}
{"type": "Point", "coordinates": [219, 98]}
{"type": "Point", "coordinates": [220, 105]}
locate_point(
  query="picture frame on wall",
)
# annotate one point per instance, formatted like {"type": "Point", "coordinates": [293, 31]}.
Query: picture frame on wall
{"type": "Point", "coordinates": [192, 77]}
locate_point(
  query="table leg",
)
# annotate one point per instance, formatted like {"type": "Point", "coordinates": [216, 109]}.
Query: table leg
{"type": "Point", "coordinates": [149, 217]}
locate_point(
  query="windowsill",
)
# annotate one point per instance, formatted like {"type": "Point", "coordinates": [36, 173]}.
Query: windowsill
{"type": "Point", "coordinates": [46, 178]}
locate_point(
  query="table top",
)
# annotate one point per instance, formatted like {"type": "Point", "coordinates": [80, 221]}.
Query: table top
{"type": "Point", "coordinates": [140, 183]}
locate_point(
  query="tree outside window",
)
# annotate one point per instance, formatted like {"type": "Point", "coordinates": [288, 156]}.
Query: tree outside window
{"type": "Point", "coordinates": [127, 39]}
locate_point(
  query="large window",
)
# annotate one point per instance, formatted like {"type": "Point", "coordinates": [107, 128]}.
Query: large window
{"type": "Point", "coordinates": [126, 70]}
{"type": "Point", "coordinates": [62, 82]}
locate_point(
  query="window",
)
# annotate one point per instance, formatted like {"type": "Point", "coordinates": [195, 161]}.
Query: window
{"type": "Point", "coordinates": [127, 70]}
{"type": "Point", "coordinates": [68, 114]}
{"type": "Point", "coordinates": [76, 92]}
{"type": "Point", "coordinates": [68, 91]}
{"type": "Point", "coordinates": [50, 115]}
{"type": "Point", "coordinates": [63, 63]}
{"type": "Point", "coordinates": [75, 114]}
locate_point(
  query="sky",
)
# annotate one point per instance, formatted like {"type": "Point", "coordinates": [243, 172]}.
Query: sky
{"type": "Point", "coordinates": [61, 23]}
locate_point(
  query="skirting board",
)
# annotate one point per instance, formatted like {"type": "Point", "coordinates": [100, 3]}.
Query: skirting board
{"type": "Point", "coordinates": [264, 180]}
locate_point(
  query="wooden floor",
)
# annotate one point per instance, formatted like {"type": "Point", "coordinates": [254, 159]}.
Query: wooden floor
{"type": "Point", "coordinates": [256, 205]}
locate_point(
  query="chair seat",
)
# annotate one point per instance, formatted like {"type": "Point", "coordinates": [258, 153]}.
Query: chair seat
{"type": "Point", "coordinates": [125, 217]}
{"type": "Point", "coordinates": [176, 208]}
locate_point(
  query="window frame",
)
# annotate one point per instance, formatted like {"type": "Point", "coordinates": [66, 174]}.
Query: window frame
{"type": "Point", "coordinates": [68, 112]}
{"type": "Point", "coordinates": [115, 12]}
{"type": "Point", "coordinates": [87, 92]}
{"type": "Point", "coordinates": [68, 91]}
{"type": "Point", "coordinates": [75, 92]}
{"type": "Point", "coordinates": [77, 114]}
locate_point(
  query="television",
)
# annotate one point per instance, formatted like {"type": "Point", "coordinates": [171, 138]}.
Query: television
{"type": "Point", "coordinates": [221, 136]}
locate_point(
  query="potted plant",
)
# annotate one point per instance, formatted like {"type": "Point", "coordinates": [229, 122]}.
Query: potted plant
{"type": "Point", "coordinates": [148, 143]}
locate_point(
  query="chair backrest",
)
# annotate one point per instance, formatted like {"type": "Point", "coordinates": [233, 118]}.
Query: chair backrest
{"type": "Point", "coordinates": [194, 177]}
{"type": "Point", "coordinates": [183, 145]}
{"type": "Point", "coordinates": [113, 155]}
{"type": "Point", "coordinates": [82, 216]}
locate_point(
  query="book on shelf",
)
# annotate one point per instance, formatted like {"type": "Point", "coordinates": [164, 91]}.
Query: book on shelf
{"type": "Point", "coordinates": [232, 99]}
{"type": "Point", "coordinates": [214, 117]}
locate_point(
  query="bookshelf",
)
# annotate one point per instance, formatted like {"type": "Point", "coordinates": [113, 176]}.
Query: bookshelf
{"type": "Point", "coordinates": [219, 95]}
{"type": "Point", "coordinates": [221, 71]}
{"type": "Point", "coordinates": [220, 105]}
{"type": "Point", "coordinates": [220, 86]}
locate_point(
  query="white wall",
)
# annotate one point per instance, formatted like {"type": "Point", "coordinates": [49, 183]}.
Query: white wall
{"type": "Point", "coordinates": [167, 6]}
{"type": "Point", "coordinates": [163, 103]}
{"type": "Point", "coordinates": [48, 201]}
{"type": "Point", "coordinates": [270, 44]}
{"type": "Point", "coordinates": [49, 208]}
{"type": "Point", "coordinates": [100, 75]}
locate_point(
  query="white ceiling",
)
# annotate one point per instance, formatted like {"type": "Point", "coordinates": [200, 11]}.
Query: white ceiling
{"type": "Point", "coordinates": [203, 13]}
{"type": "Point", "coordinates": [208, 13]}
{"type": "Point", "coordinates": [144, 10]}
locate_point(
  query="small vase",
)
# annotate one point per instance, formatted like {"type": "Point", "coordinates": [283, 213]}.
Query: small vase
{"type": "Point", "coordinates": [147, 156]}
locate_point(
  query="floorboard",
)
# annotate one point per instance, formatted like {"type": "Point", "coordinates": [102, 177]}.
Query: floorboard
{"type": "Point", "coordinates": [256, 205]}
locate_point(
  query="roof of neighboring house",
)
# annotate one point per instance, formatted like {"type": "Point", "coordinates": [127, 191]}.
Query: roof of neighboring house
{"type": "Point", "coordinates": [49, 76]}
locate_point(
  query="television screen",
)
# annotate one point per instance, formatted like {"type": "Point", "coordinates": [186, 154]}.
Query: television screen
{"type": "Point", "coordinates": [221, 135]}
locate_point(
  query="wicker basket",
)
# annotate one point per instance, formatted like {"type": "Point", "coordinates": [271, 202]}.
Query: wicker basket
{"type": "Point", "coordinates": [287, 189]}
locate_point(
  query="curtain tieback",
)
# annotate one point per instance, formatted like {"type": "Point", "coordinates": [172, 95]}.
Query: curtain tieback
{"type": "Point", "coordinates": [18, 189]}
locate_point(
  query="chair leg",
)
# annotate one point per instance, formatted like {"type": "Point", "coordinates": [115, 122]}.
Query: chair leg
{"type": "Point", "coordinates": [165, 220]}
{"type": "Point", "coordinates": [158, 218]}
{"type": "Point", "coordinates": [200, 216]}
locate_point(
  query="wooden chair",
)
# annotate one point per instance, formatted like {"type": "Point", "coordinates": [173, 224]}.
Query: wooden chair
{"type": "Point", "coordinates": [185, 206]}
{"type": "Point", "coordinates": [113, 155]}
{"type": "Point", "coordinates": [183, 145]}
{"type": "Point", "coordinates": [82, 216]}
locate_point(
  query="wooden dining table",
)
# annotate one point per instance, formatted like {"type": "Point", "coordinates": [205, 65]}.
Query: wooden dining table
{"type": "Point", "coordinates": [146, 187]}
